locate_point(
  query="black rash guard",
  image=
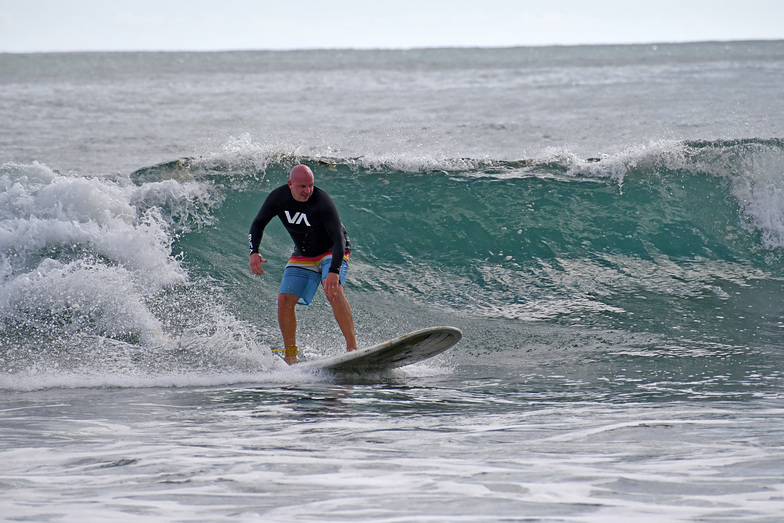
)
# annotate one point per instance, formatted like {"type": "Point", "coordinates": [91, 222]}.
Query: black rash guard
{"type": "Point", "coordinates": [314, 225]}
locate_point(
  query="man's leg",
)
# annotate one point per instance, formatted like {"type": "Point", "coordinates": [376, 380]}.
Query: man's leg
{"type": "Point", "coordinates": [342, 311]}
{"type": "Point", "coordinates": [287, 320]}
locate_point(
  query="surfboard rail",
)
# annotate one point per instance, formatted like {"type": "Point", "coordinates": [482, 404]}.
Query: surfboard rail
{"type": "Point", "coordinates": [398, 352]}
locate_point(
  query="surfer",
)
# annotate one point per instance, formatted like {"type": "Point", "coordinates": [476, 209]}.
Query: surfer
{"type": "Point", "coordinates": [321, 254]}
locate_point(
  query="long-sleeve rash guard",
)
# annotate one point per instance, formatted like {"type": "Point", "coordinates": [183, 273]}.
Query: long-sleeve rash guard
{"type": "Point", "coordinates": [314, 225]}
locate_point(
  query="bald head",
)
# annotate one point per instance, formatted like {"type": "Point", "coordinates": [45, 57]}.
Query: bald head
{"type": "Point", "coordinates": [301, 183]}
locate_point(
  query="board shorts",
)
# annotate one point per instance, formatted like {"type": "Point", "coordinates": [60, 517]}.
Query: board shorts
{"type": "Point", "coordinates": [305, 282]}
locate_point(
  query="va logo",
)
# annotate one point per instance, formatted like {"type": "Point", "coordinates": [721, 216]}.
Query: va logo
{"type": "Point", "coordinates": [298, 218]}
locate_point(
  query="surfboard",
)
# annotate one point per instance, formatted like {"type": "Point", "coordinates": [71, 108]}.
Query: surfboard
{"type": "Point", "coordinates": [405, 350]}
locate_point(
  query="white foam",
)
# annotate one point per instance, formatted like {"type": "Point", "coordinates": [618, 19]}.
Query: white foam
{"type": "Point", "coordinates": [81, 292]}
{"type": "Point", "coordinates": [759, 189]}
{"type": "Point", "coordinates": [44, 212]}
{"type": "Point", "coordinates": [86, 264]}
{"type": "Point", "coordinates": [245, 154]}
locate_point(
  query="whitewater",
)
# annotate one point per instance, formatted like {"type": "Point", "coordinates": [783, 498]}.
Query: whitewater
{"type": "Point", "coordinates": [605, 224]}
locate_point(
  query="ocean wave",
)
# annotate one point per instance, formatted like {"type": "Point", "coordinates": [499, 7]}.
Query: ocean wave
{"type": "Point", "coordinates": [754, 168]}
{"type": "Point", "coordinates": [146, 274]}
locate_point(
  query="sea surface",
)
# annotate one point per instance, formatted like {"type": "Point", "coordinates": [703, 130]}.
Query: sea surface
{"type": "Point", "coordinates": [605, 224]}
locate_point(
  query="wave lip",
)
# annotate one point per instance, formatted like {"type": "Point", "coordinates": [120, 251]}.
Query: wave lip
{"type": "Point", "coordinates": [754, 168]}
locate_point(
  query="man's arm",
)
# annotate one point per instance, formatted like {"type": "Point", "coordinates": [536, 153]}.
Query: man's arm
{"type": "Point", "coordinates": [334, 228]}
{"type": "Point", "coordinates": [265, 214]}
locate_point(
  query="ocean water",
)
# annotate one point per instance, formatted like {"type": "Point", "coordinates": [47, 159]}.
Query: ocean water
{"type": "Point", "coordinates": [604, 224]}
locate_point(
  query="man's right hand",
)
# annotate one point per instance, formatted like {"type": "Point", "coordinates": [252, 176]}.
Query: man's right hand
{"type": "Point", "coordinates": [255, 264]}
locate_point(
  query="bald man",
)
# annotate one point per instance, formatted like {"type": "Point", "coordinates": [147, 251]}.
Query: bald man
{"type": "Point", "coordinates": [320, 257]}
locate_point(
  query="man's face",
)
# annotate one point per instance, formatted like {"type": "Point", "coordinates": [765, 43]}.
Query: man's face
{"type": "Point", "coordinates": [301, 185]}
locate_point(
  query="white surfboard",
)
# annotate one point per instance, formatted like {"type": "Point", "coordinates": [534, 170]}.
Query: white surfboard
{"type": "Point", "coordinates": [405, 350]}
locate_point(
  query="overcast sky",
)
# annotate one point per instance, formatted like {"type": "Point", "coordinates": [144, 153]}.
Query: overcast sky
{"type": "Point", "coordinates": [123, 25]}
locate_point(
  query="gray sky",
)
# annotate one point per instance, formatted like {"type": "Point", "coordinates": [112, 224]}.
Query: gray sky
{"type": "Point", "coordinates": [123, 25]}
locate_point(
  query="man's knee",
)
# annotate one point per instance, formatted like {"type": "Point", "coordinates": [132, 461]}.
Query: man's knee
{"type": "Point", "coordinates": [287, 301]}
{"type": "Point", "coordinates": [337, 298]}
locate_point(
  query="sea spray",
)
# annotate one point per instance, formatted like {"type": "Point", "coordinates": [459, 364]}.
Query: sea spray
{"type": "Point", "coordinates": [90, 279]}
